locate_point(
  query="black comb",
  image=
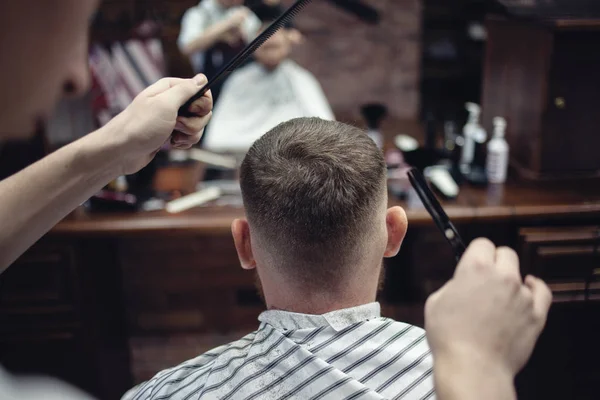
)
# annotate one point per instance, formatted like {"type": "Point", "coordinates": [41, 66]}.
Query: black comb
{"type": "Point", "coordinates": [244, 54]}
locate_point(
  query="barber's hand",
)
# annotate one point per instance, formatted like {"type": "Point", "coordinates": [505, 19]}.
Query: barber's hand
{"type": "Point", "coordinates": [151, 121]}
{"type": "Point", "coordinates": [233, 37]}
{"type": "Point", "coordinates": [237, 18]}
{"type": "Point", "coordinates": [486, 316]}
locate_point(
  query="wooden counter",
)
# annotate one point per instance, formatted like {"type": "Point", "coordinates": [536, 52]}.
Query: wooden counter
{"type": "Point", "coordinates": [511, 202]}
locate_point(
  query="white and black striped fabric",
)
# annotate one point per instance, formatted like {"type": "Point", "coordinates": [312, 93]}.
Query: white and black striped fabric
{"type": "Point", "coordinates": [346, 354]}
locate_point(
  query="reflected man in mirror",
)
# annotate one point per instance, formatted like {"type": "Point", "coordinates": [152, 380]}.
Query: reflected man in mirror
{"type": "Point", "coordinates": [213, 32]}
{"type": "Point", "coordinates": [269, 91]}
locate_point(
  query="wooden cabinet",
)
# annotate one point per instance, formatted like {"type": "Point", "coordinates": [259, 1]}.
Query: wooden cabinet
{"type": "Point", "coordinates": [564, 362]}
{"type": "Point", "coordinates": [543, 78]}
{"type": "Point", "coordinates": [567, 258]}
{"type": "Point", "coordinates": [190, 283]}
{"type": "Point", "coordinates": [60, 315]}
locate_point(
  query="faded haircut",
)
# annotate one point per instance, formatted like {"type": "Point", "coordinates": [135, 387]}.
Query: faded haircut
{"type": "Point", "coordinates": [311, 189]}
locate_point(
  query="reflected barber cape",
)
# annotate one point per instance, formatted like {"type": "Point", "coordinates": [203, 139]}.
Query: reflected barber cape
{"type": "Point", "coordinates": [255, 100]}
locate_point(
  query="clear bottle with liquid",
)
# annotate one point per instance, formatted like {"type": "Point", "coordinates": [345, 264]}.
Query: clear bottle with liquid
{"type": "Point", "coordinates": [497, 153]}
{"type": "Point", "coordinates": [473, 133]}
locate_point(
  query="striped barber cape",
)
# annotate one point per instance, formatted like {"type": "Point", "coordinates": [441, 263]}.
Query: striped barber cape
{"type": "Point", "coordinates": [346, 354]}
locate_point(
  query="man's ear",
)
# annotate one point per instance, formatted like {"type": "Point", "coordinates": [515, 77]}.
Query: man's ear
{"type": "Point", "coordinates": [294, 36]}
{"type": "Point", "coordinates": [396, 224]}
{"type": "Point", "coordinates": [241, 237]}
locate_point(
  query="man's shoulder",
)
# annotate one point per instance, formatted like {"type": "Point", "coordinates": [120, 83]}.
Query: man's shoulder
{"type": "Point", "coordinates": [292, 66]}
{"type": "Point", "coordinates": [188, 379]}
{"type": "Point", "coordinates": [403, 325]}
{"type": "Point", "coordinates": [190, 14]}
{"type": "Point", "coordinates": [400, 336]}
{"type": "Point", "coordinates": [199, 12]}
{"type": "Point", "coordinates": [302, 76]}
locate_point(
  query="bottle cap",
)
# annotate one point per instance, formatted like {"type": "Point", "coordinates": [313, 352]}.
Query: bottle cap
{"type": "Point", "coordinates": [499, 127]}
{"type": "Point", "coordinates": [474, 111]}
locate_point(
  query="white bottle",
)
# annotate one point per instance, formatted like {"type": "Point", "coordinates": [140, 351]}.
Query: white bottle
{"type": "Point", "coordinates": [497, 153]}
{"type": "Point", "coordinates": [473, 133]}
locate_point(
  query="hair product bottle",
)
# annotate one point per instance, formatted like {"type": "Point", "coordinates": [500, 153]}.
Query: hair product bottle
{"type": "Point", "coordinates": [497, 153]}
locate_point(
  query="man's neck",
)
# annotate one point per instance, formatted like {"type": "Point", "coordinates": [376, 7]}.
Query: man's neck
{"type": "Point", "coordinates": [281, 296]}
{"type": "Point", "coordinates": [318, 308]}
{"type": "Point", "coordinates": [268, 69]}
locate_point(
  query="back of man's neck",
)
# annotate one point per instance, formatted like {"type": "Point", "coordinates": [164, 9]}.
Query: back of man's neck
{"type": "Point", "coordinates": [285, 293]}
{"type": "Point", "coordinates": [306, 305]}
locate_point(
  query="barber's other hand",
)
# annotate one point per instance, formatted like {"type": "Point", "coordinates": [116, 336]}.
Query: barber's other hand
{"type": "Point", "coordinates": [233, 37]}
{"type": "Point", "coordinates": [238, 17]}
{"type": "Point", "coordinates": [486, 317]}
{"type": "Point", "coordinates": [151, 121]}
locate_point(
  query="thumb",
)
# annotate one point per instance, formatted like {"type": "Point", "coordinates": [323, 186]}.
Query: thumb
{"type": "Point", "coordinates": [542, 297]}
{"type": "Point", "coordinates": [182, 91]}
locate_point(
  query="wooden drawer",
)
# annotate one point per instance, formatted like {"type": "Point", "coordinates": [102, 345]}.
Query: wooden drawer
{"type": "Point", "coordinates": [58, 354]}
{"type": "Point", "coordinates": [185, 284]}
{"type": "Point", "coordinates": [567, 258]}
{"type": "Point", "coordinates": [42, 280]}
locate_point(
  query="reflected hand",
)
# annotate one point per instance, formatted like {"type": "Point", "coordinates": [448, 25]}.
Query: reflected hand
{"type": "Point", "coordinates": [238, 17]}
{"type": "Point", "coordinates": [233, 37]}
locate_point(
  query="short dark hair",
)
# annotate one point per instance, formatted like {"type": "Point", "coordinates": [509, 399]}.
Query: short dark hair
{"type": "Point", "coordinates": [311, 188]}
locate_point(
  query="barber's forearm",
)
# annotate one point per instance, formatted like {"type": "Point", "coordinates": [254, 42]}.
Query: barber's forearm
{"type": "Point", "coordinates": [209, 38]}
{"type": "Point", "coordinates": [35, 199]}
{"type": "Point", "coordinates": [472, 379]}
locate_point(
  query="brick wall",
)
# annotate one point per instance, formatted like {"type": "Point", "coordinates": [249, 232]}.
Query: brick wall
{"type": "Point", "coordinates": [358, 63]}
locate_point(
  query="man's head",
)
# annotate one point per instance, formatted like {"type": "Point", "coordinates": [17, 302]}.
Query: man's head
{"type": "Point", "coordinates": [316, 198]}
{"type": "Point", "coordinates": [44, 56]}
{"type": "Point", "coordinates": [279, 46]}
{"type": "Point", "coordinates": [275, 50]}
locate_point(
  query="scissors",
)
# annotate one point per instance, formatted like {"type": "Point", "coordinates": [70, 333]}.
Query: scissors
{"type": "Point", "coordinates": [434, 208]}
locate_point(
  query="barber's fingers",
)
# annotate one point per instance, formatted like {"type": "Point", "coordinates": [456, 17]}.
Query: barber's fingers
{"type": "Point", "coordinates": [192, 125]}
{"type": "Point", "coordinates": [542, 298]}
{"type": "Point", "coordinates": [180, 92]}
{"type": "Point", "coordinates": [433, 297]}
{"type": "Point", "coordinates": [161, 86]}
{"type": "Point", "coordinates": [183, 142]}
{"type": "Point", "coordinates": [189, 131]}
{"type": "Point", "coordinates": [480, 256]}
{"type": "Point", "coordinates": [507, 265]}
{"type": "Point", "coordinates": [202, 106]}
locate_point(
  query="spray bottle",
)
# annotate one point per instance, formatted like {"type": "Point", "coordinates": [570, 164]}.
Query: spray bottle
{"type": "Point", "coordinates": [497, 154]}
{"type": "Point", "coordinates": [473, 133]}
